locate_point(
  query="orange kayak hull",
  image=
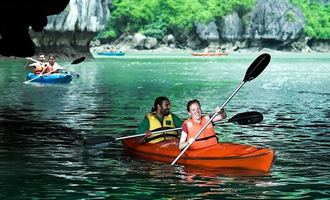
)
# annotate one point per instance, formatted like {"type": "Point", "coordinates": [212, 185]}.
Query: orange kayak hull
{"type": "Point", "coordinates": [209, 54]}
{"type": "Point", "coordinates": [222, 155]}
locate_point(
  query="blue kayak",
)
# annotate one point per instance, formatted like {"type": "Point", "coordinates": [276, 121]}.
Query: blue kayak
{"type": "Point", "coordinates": [111, 53]}
{"type": "Point", "coordinates": [51, 78]}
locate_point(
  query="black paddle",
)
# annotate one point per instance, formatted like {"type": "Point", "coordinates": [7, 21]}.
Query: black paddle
{"type": "Point", "coordinates": [245, 118]}
{"type": "Point", "coordinates": [257, 66]}
{"type": "Point", "coordinates": [240, 118]}
{"type": "Point", "coordinates": [77, 61]}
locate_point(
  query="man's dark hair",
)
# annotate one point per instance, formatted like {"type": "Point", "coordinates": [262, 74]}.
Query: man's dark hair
{"type": "Point", "coordinates": [159, 101]}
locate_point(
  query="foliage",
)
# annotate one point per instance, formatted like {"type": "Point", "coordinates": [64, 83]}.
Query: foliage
{"type": "Point", "coordinates": [160, 17]}
{"type": "Point", "coordinates": [317, 17]}
{"type": "Point", "coordinates": [157, 18]}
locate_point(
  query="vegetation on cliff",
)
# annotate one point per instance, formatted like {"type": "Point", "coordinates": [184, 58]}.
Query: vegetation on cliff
{"type": "Point", "coordinates": [317, 16]}
{"type": "Point", "coordinates": [157, 18]}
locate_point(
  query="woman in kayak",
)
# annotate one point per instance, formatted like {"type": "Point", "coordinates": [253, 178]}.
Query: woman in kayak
{"type": "Point", "coordinates": [192, 126]}
{"type": "Point", "coordinates": [160, 118]}
{"type": "Point", "coordinates": [52, 66]}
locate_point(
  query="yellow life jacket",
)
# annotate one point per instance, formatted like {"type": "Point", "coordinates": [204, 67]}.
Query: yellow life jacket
{"type": "Point", "coordinates": [206, 138]}
{"type": "Point", "coordinates": [155, 124]}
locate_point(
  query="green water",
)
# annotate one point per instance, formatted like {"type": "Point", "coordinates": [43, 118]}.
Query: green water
{"type": "Point", "coordinates": [42, 127]}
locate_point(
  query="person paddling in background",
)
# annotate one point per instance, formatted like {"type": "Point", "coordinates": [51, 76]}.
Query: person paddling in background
{"type": "Point", "coordinates": [192, 126]}
{"type": "Point", "coordinates": [52, 66]}
{"type": "Point", "coordinates": [160, 118]}
{"type": "Point", "coordinates": [207, 50]}
{"type": "Point", "coordinates": [218, 50]}
{"type": "Point", "coordinates": [37, 67]}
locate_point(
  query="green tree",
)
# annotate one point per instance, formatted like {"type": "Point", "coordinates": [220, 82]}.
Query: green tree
{"type": "Point", "coordinates": [317, 18]}
{"type": "Point", "coordinates": [159, 17]}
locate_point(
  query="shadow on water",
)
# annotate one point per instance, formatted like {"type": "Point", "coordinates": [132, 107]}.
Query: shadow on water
{"type": "Point", "coordinates": [21, 128]}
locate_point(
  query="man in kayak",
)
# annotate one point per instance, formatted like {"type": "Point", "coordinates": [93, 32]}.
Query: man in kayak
{"type": "Point", "coordinates": [52, 66]}
{"type": "Point", "coordinates": [37, 67]}
{"type": "Point", "coordinates": [218, 50]}
{"type": "Point", "coordinates": [192, 126]}
{"type": "Point", "coordinates": [160, 118]}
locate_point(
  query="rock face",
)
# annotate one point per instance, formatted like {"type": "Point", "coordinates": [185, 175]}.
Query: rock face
{"type": "Point", "coordinates": [231, 27]}
{"type": "Point", "coordinates": [208, 31]}
{"type": "Point", "coordinates": [71, 32]}
{"type": "Point", "coordinates": [272, 23]}
{"type": "Point", "coordinates": [275, 21]}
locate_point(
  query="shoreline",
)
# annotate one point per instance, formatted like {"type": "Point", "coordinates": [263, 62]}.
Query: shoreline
{"type": "Point", "coordinates": [189, 51]}
{"type": "Point", "coordinates": [174, 51]}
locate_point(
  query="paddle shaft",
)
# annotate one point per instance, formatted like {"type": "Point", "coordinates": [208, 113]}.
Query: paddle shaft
{"type": "Point", "coordinates": [240, 118]}
{"type": "Point", "coordinates": [142, 134]}
{"type": "Point", "coordinates": [79, 60]}
{"type": "Point", "coordinates": [39, 61]}
{"type": "Point", "coordinates": [209, 121]}
{"type": "Point", "coordinates": [234, 118]}
{"type": "Point", "coordinates": [257, 66]}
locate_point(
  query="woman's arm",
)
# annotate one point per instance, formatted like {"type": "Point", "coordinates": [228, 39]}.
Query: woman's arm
{"type": "Point", "coordinates": [183, 139]}
{"type": "Point", "coordinates": [183, 143]}
{"type": "Point", "coordinates": [221, 114]}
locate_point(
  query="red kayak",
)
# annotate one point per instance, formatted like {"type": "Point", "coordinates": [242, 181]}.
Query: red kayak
{"type": "Point", "coordinates": [221, 155]}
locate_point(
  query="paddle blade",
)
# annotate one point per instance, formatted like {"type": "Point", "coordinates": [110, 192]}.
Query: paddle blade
{"type": "Point", "coordinates": [79, 60]}
{"type": "Point", "coordinates": [247, 118]}
{"type": "Point", "coordinates": [258, 65]}
{"type": "Point", "coordinates": [98, 141]}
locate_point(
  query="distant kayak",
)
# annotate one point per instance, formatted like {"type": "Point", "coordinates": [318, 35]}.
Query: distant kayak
{"type": "Point", "coordinates": [51, 79]}
{"type": "Point", "coordinates": [209, 54]}
{"type": "Point", "coordinates": [111, 53]}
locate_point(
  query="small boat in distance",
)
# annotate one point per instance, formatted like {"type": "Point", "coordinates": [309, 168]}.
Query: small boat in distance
{"type": "Point", "coordinates": [111, 53]}
{"type": "Point", "coordinates": [209, 54]}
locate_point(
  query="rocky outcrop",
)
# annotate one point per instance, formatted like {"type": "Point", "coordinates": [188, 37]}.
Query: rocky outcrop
{"type": "Point", "coordinates": [231, 28]}
{"type": "Point", "coordinates": [272, 23]}
{"type": "Point", "coordinates": [207, 31]}
{"type": "Point", "coordinates": [275, 21]}
{"type": "Point", "coordinates": [71, 32]}
{"type": "Point", "coordinates": [136, 41]}
{"type": "Point", "coordinates": [319, 45]}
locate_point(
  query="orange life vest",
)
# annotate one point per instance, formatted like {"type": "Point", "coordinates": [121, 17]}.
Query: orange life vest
{"type": "Point", "coordinates": [206, 138]}
{"type": "Point", "coordinates": [38, 69]}
{"type": "Point", "coordinates": [49, 68]}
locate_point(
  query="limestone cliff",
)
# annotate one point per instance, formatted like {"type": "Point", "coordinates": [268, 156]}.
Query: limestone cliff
{"type": "Point", "coordinates": [275, 22]}
{"type": "Point", "coordinates": [70, 32]}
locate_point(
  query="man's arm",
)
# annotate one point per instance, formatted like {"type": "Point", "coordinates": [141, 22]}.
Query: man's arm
{"type": "Point", "coordinates": [143, 127]}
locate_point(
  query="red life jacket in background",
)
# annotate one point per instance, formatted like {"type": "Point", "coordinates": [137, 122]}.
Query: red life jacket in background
{"type": "Point", "coordinates": [38, 69]}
